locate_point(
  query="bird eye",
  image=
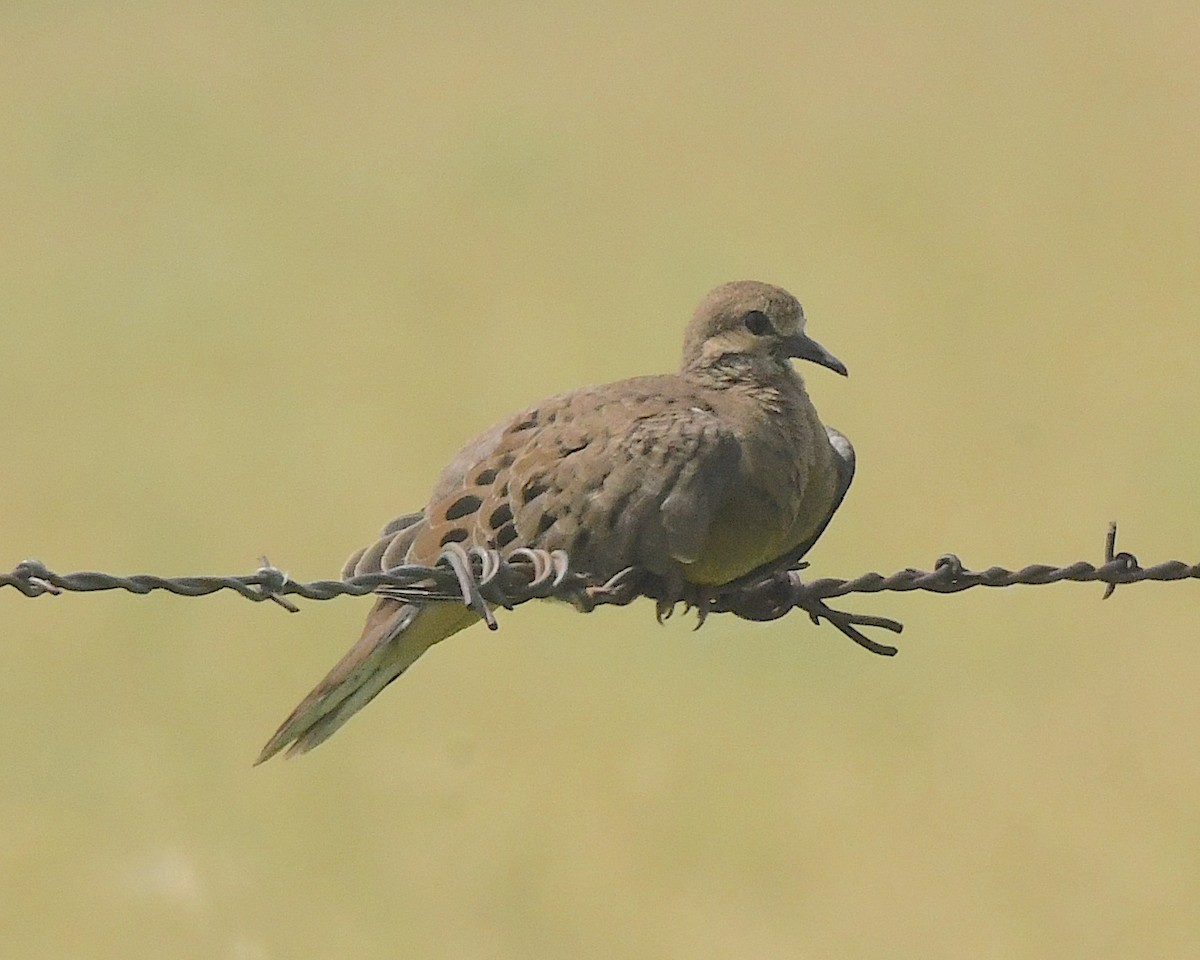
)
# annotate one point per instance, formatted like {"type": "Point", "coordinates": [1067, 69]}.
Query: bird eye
{"type": "Point", "coordinates": [757, 323]}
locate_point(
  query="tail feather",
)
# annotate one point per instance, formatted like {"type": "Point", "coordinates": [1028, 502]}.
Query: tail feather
{"type": "Point", "coordinates": [394, 636]}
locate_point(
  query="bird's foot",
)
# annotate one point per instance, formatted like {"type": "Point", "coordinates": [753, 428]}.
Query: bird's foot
{"type": "Point", "coordinates": [777, 595]}
{"type": "Point", "coordinates": [668, 593]}
{"type": "Point", "coordinates": [620, 589]}
{"type": "Point", "coordinates": [818, 610]}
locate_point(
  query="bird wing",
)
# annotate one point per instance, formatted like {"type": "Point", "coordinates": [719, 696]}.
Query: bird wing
{"type": "Point", "coordinates": [844, 463]}
{"type": "Point", "coordinates": [624, 475]}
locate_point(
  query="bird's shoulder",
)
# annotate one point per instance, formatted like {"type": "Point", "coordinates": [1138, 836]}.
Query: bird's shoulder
{"type": "Point", "coordinates": [584, 420]}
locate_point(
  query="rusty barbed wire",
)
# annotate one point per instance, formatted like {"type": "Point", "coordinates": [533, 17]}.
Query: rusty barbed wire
{"type": "Point", "coordinates": [482, 579]}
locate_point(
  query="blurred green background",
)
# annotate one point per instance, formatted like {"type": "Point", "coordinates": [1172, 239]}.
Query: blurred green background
{"type": "Point", "coordinates": [265, 266]}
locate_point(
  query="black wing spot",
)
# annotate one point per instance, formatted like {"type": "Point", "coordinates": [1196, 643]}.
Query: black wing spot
{"type": "Point", "coordinates": [545, 523]}
{"type": "Point", "coordinates": [457, 535]}
{"type": "Point", "coordinates": [528, 423]}
{"type": "Point", "coordinates": [505, 535]}
{"type": "Point", "coordinates": [485, 478]}
{"type": "Point", "coordinates": [500, 516]}
{"type": "Point", "coordinates": [463, 506]}
{"type": "Point", "coordinates": [533, 489]}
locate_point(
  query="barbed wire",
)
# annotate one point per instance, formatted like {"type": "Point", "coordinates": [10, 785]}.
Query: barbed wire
{"type": "Point", "coordinates": [483, 579]}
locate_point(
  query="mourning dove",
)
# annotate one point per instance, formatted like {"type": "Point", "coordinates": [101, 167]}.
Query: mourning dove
{"type": "Point", "coordinates": [701, 477]}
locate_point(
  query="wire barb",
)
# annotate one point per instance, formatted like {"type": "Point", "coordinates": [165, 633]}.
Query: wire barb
{"type": "Point", "coordinates": [483, 579]}
{"type": "Point", "coordinates": [1110, 557]}
{"type": "Point", "coordinates": [273, 582]}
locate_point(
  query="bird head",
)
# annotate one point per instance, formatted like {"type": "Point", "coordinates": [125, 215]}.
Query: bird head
{"type": "Point", "coordinates": [749, 322]}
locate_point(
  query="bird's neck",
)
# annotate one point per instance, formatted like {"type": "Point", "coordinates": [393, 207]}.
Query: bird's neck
{"type": "Point", "coordinates": [770, 382]}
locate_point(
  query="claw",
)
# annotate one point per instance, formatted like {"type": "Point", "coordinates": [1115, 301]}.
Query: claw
{"type": "Point", "coordinates": [489, 563]}
{"type": "Point", "coordinates": [489, 570]}
{"type": "Point", "coordinates": [560, 563]}
{"type": "Point", "coordinates": [538, 559]}
{"type": "Point", "coordinates": [460, 563]}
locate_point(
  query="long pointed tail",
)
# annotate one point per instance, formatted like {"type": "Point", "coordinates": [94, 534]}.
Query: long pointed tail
{"type": "Point", "coordinates": [394, 636]}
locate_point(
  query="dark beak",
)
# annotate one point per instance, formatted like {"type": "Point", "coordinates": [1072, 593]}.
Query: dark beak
{"type": "Point", "coordinates": [805, 348]}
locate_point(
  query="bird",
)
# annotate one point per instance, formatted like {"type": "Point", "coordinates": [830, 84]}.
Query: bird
{"type": "Point", "coordinates": [703, 477]}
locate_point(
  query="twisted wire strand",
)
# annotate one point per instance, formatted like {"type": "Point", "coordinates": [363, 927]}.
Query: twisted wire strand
{"type": "Point", "coordinates": [534, 574]}
{"type": "Point", "coordinates": [482, 579]}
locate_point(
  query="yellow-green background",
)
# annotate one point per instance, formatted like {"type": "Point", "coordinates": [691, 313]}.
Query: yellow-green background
{"type": "Point", "coordinates": [264, 266]}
